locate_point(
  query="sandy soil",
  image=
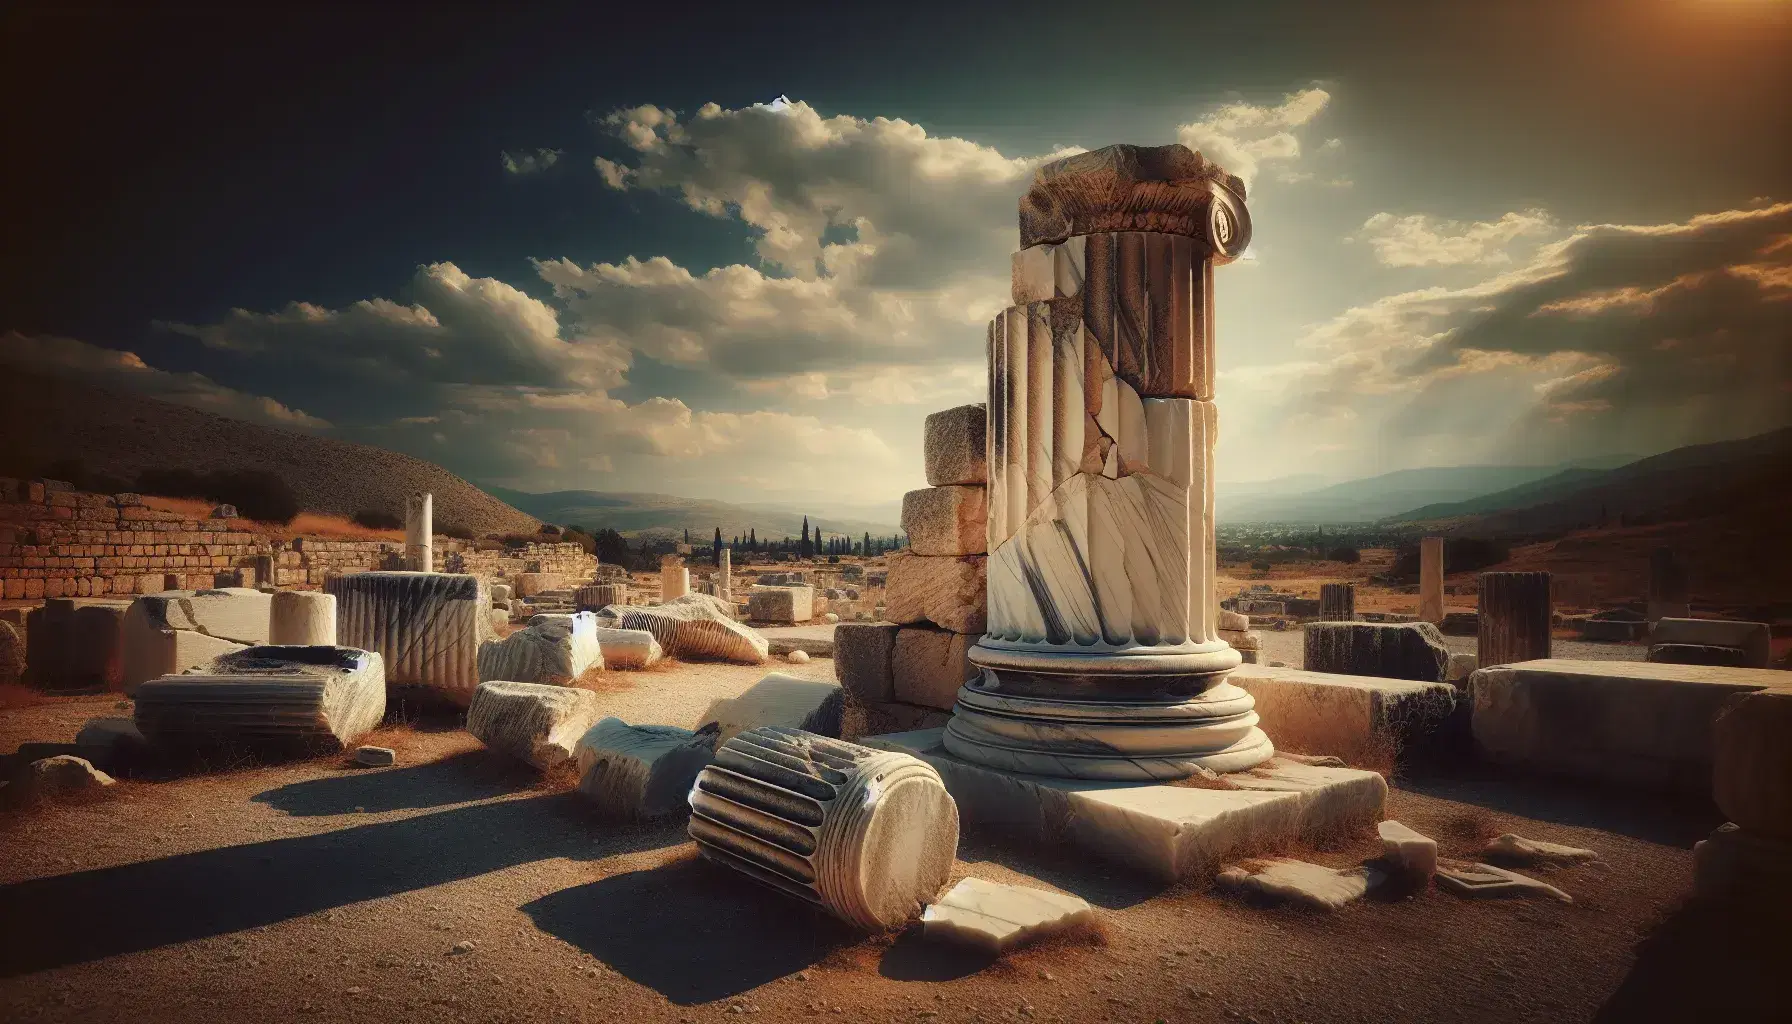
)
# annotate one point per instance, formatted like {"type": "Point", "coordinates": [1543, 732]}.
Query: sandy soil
{"type": "Point", "coordinates": [313, 890]}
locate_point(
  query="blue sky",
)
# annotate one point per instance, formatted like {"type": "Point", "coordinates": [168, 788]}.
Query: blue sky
{"type": "Point", "coordinates": [590, 252]}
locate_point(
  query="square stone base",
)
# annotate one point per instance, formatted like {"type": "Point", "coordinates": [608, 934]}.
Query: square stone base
{"type": "Point", "coordinates": [1165, 830]}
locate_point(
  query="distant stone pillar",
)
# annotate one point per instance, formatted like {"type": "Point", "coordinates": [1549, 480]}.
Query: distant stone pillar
{"type": "Point", "coordinates": [1431, 580]}
{"type": "Point", "coordinates": [1101, 659]}
{"type": "Point", "coordinates": [724, 585]}
{"type": "Point", "coordinates": [1668, 588]}
{"type": "Point", "coordinates": [419, 531]}
{"type": "Point", "coordinates": [1514, 618]}
{"type": "Point", "coordinates": [675, 579]}
{"type": "Point", "coordinates": [1337, 602]}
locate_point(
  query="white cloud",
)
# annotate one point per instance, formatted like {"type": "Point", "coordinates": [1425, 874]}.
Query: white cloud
{"type": "Point", "coordinates": [1244, 138]}
{"type": "Point", "coordinates": [1419, 240]}
{"type": "Point", "coordinates": [529, 162]}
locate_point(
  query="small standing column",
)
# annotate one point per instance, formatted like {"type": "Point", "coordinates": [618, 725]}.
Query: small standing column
{"type": "Point", "coordinates": [675, 579]}
{"type": "Point", "coordinates": [1101, 658]}
{"type": "Point", "coordinates": [419, 532]}
{"type": "Point", "coordinates": [1431, 580]}
{"type": "Point", "coordinates": [1337, 602]}
{"type": "Point", "coordinates": [724, 584]}
{"type": "Point", "coordinates": [1668, 589]}
{"type": "Point", "coordinates": [1514, 618]}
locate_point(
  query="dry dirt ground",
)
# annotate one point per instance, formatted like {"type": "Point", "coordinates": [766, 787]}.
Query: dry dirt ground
{"type": "Point", "coordinates": [317, 891]}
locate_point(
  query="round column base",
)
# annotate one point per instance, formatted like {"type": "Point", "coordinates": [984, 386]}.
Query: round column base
{"type": "Point", "coordinates": [1133, 716]}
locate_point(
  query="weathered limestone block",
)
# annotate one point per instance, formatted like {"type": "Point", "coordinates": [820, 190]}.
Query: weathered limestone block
{"type": "Point", "coordinates": [1751, 775]}
{"type": "Point", "coordinates": [1295, 881]}
{"type": "Point", "coordinates": [863, 659]}
{"type": "Point", "coordinates": [927, 666]}
{"type": "Point", "coordinates": [1630, 723]}
{"type": "Point", "coordinates": [788, 702]}
{"type": "Point", "coordinates": [1366, 720]}
{"type": "Point", "coordinates": [994, 918]}
{"type": "Point", "coordinates": [954, 446]}
{"type": "Point", "coordinates": [303, 618]}
{"type": "Point", "coordinates": [948, 592]}
{"type": "Point", "coordinates": [12, 654]}
{"type": "Point", "coordinates": [675, 579]}
{"type": "Point", "coordinates": [949, 520]}
{"type": "Point", "coordinates": [597, 596]}
{"type": "Point", "coordinates": [786, 605]}
{"type": "Point", "coordinates": [311, 698]}
{"type": "Point", "coordinates": [1513, 624]}
{"type": "Point", "coordinates": [1393, 650]}
{"type": "Point", "coordinates": [1750, 640]}
{"type": "Point", "coordinates": [1407, 852]}
{"type": "Point", "coordinates": [640, 772]}
{"type": "Point", "coordinates": [532, 722]}
{"type": "Point", "coordinates": [627, 648]}
{"type": "Point", "coordinates": [63, 773]}
{"type": "Point", "coordinates": [696, 627]}
{"type": "Point", "coordinates": [181, 629]}
{"type": "Point", "coordinates": [70, 644]}
{"type": "Point", "coordinates": [528, 584]}
{"type": "Point", "coordinates": [868, 835]}
{"type": "Point", "coordinates": [552, 649]}
{"type": "Point", "coordinates": [1460, 668]}
{"type": "Point", "coordinates": [427, 625]}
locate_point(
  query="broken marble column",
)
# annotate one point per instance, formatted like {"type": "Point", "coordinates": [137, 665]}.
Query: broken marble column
{"type": "Point", "coordinates": [867, 835]}
{"type": "Point", "coordinates": [553, 648]}
{"type": "Point", "coordinates": [675, 579]}
{"type": "Point", "coordinates": [306, 618]}
{"type": "Point", "coordinates": [1514, 619]}
{"type": "Point", "coordinates": [640, 772]}
{"type": "Point", "coordinates": [312, 698]}
{"type": "Point", "coordinates": [697, 627]}
{"type": "Point", "coordinates": [427, 625]}
{"type": "Point", "coordinates": [1669, 590]}
{"type": "Point", "coordinates": [419, 532]}
{"type": "Point", "coordinates": [595, 597]}
{"type": "Point", "coordinates": [533, 722]}
{"type": "Point", "coordinates": [180, 629]}
{"type": "Point", "coordinates": [1101, 638]}
{"type": "Point", "coordinates": [1431, 580]}
{"type": "Point", "coordinates": [1391, 650]}
{"type": "Point", "coordinates": [1337, 602]}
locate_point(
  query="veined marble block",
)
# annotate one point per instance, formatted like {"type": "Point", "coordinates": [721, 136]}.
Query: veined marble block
{"type": "Point", "coordinates": [303, 617]}
{"type": "Point", "coordinates": [532, 722]}
{"type": "Point", "coordinates": [636, 772]}
{"type": "Point", "coordinates": [553, 649]}
{"type": "Point", "coordinates": [181, 629]}
{"type": "Point", "coordinates": [867, 835]}
{"type": "Point", "coordinates": [697, 627]}
{"type": "Point", "coordinates": [297, 697]}
{"type": "Point", "coordinates": [426, 625]}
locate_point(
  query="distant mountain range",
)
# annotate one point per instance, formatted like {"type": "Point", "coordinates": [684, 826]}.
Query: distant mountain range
{"type": "Point", "coordinates": [636, 515]}
{"type": "Point", "coordinates": [1390, 495]}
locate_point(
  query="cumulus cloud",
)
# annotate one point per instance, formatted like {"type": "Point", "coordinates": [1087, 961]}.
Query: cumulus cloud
{"type": "Point", "coordinates": [1616, 338]}
{"type": "Point", "coordinates": [529, 162]}
{"type": "Point", "coordinates": [1419, 240]}
{"type": "Point", "coordinates": [125, 371]}
{"type": "Point", "coordinates": [1247, 138]}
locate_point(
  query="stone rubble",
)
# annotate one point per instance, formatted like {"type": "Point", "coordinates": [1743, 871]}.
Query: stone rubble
{"type": "Point", "coordinates": [638, 772]}
{"type": "Point", "coordinates": [1515, 849]}
{"type": "Point", "coordinates": [1408, 853]}
{"type": "Point", "coordinates": [778, 700]}
{"type": "Point", "coordinates": [288, 698]}
{"type": "Point", "coordinates": [552, 649]}
{"type": "Point", "coordinates": [376, 757]}
{"type": "Point", "coordinates": [532, 722]}
{"type": "Point", "coordinates": [64, 773]}
{"type": "Point", "coordinates": [1475, 881]}
{"type": "Point", "coordinates": [993, 918]}
{"type": "Point", "coordinates": [1298, 882]}
{"type": "Point", "coordinates": [695, 627]}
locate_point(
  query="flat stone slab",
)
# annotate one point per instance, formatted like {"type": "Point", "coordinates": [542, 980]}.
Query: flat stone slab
{"type": "Point", "coordinates": [994, 918]}
{"type": "Point", "coordinates": [790, 702]}
{"type": "Point", "coordinates": [1167, 831]}
{"type": "Point", "coordinates": [816, 638]}
{"type": "Point", "coordinates": [1362, 719]}
{"type": "Point", "coordinates": [1516, 849]}
{"type": "Point", "coordinates": [1639, 724]}
{"type": "Point", "coordinates": [1477, 881]}
{"type": "Point", "coordinates": [1295, 881]}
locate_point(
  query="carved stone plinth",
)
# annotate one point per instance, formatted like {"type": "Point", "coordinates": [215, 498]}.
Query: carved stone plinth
{"type": "Point", "coordinates": [868, 835]}
{"type": "Point", "coordinates": [1100, 658]}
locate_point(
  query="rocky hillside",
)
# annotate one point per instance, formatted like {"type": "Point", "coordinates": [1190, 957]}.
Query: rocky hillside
{"type": "Point", "coordinates": [118, 435]}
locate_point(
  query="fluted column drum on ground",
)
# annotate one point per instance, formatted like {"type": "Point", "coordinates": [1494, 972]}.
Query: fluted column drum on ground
{"type": "Point", "coordinates": [868, 835]}
{"type": "Point", "coordinates": [1101, 658]}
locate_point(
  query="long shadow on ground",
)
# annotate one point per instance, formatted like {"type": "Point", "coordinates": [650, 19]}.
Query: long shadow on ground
{"type": "Point", "coordinates": [452, 780]}
{"type": "Point", "coordinates": [1667, 821]}
{"type": "Point", "coordinates": [87, 915]}
{"type": "Point", "coordinates": [1708, 961]}
{"type": "Point", "coordinates": [690, 930]}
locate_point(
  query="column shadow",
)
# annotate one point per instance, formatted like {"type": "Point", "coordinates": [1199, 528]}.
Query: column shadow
{"type": "Point", "coordinates": [1707, 961]}
{"type": "Point", "coordinates": [474, 775]}
{"type": "Point", "coordinates": [1664, 819]}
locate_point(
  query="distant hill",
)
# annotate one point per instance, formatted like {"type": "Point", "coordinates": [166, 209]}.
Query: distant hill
{"type": "Point", "coordinates": [664, 515]}
{"type": "Point", "coordinates": [115, 434]}
{"type": "Point", "coordinates": [1379, 497]}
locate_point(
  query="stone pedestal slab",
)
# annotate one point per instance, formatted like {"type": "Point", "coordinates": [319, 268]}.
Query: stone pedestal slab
{"type": "Point", "coordinates": [1365, 720]}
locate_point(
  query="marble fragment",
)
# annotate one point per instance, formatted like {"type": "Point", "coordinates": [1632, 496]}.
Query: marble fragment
{"type": "Point", "coordinates": [1408, 852]}
{"type": "Point", "coordinates": [863, 654]}
{"type": "Point", "coordinates": [428, 626]}
{"type": "Point", "coordinates": [1516, 849]}
{"type": "Point", "coordinates": [376, 757]}
{"type": "Point", "coordinates": [780, 700]}
{"type": "Point", "coordinates": [696, 627]}
{"type": "Point", "coordinates": [1484, 880]}
{"type": "Point", "coordinates": [868, 835]}
{"type": "Point", "coordinates": [1298, 882]}
{"type": "Point", "coordinates": [993, 918]}
{"type": "Point", "coordinates": [312, 698]}
{"type": "Point", "coordinates": [553, 648]}
{"type": "Point", "coordinates": [641, 772]}
{"type": "Point", "coordinates": [532, 722]}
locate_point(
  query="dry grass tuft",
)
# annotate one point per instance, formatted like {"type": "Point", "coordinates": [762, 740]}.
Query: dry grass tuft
{"type": "Point", "coordinates": [1466, 834]}
{"type": "Point", "coordinates": [603, 681]}
{"type": "Point", "coordinates": [1203, 782]}
{"type": "Point", "coordinates": [561, 778]}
